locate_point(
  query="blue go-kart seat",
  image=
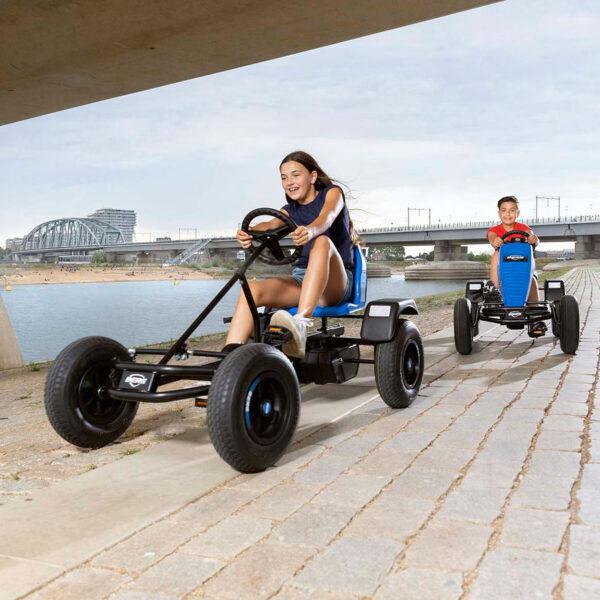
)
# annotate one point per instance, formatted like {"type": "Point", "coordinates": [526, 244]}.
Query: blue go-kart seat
{"type": "Point", "coordinates": [515, 269]}
{"type": "Point", "coordinates": [359, 292]}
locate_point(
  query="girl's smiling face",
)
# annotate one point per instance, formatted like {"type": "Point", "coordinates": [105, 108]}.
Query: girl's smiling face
{"type": "Point", "coordinates": [297, 181]}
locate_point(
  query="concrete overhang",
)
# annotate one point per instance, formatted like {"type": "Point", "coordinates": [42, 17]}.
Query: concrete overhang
{"type": "Point", "coordinates": [57, 54]}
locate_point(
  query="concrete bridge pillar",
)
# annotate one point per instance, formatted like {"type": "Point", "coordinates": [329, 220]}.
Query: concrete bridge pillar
{"type": "Point", "coordinates": [10, 355]}
{"type": "Point", "coordinates": [587, 246]}
{"type": "Point", "coordinates": [445, 250]}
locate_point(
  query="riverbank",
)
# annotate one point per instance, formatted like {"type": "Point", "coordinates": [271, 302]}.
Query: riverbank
{"type": "Point", "coordinates": [53, 274]}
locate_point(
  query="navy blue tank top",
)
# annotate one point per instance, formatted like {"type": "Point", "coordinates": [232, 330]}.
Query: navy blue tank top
{"type": "Point", "coordinates": [338, 233]}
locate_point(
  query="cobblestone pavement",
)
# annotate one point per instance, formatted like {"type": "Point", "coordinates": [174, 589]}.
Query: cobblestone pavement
{"type": "Point", "coordinates": [487, 487]}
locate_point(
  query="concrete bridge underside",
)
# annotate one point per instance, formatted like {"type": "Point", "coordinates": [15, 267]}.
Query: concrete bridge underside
{"type": "Point", "coordinates": [60, 53]}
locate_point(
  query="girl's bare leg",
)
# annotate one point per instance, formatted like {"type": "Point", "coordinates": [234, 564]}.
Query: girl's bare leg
{"type": "Point", "coordinates": [325, 279]}
{"type": "Point", "coordinates": [277, 292]}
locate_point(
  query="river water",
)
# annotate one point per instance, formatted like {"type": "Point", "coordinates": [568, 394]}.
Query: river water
{"type": "Point", "coordinates": [48, 317]}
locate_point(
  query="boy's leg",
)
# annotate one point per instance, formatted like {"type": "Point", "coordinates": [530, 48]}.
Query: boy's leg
{"type": "Point", "coordinates": [534, 295]}
{"type": "Point", "coordinates": [274, 292]}
{"type": "Point", "coordinates": [494, 269]}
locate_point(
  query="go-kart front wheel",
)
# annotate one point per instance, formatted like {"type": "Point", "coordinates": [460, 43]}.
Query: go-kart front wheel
{"type": "Point", "coordinates": [253, 407]}
{"type": "Point", "coordinates": [399, 366]}
{"type": "Point", "coordinates": [76, 404]}
{"type": "Point", "coordinates": [463, 327]}
{"type": "Point", "coordinates": [568, 311]}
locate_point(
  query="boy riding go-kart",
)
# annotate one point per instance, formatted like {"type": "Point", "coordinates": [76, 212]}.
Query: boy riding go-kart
{"type": "Point", "coordinates": [511, 297]}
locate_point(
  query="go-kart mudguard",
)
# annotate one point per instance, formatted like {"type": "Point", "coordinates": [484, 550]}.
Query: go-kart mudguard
{"type": "Point", "coordinates": [515, 270]}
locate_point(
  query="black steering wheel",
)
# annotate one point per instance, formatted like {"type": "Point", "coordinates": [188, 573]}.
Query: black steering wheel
{"type": "Point", "coordinates": [518, 232]}
{"type": "Point", "coordinates": [273, 254]}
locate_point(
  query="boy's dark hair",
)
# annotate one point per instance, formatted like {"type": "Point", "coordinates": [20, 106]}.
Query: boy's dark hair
{"type": "Point", "coordinates": [507, 199]}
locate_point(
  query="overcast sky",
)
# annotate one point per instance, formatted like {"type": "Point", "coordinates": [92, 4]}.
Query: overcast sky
{"type": "Point", "coordinates": [449, 114]}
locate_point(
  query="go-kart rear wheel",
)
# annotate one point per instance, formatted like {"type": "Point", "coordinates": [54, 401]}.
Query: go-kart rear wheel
{"type": "Point", "coordinates": [76, 404]}
{"type": "Point", "coordinates": [399, 366]}
{"type": "Point", "coordinates": [463, 328]}
{"type": "Point", "coordinates": [568, 311]}
{"type": "Point", "coordinates": [253, 407]}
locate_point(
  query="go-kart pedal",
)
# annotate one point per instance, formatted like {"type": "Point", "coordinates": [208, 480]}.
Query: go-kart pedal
{"type": "Point", "coordinates": [536, 330]}
{"type": "Point", "coordinates": [277, 336]}
{"type": "Point", "coordinates": [491, 293]}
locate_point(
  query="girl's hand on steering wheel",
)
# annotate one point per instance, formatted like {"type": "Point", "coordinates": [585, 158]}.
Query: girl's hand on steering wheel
{"type": "Point", "coordinates": [245, 239]}
{"type": "Point", "coordinates": [302, 235]}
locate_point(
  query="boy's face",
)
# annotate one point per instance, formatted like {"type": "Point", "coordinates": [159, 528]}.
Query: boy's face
{"type": "Point", "coordinates": [508, 213]}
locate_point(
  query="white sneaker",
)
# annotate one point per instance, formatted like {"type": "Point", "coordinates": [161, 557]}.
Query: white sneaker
{"type": "Point", "coordinates": [297, 326]}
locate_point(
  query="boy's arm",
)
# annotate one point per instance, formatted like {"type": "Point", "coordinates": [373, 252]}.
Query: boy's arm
{"type": "Point", "coordinates": [533, 239]}
{"type": "Point", "coordinates": [494, 239]}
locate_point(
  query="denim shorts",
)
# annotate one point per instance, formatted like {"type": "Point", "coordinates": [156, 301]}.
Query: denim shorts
{"type": "Point", "coordinates": [298, 274]}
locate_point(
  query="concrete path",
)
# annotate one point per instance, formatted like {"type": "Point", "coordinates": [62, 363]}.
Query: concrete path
{"type": "Point", "coordinates": [488, 486]}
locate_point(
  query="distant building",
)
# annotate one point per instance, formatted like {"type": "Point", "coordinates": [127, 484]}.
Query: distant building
{"type": "Point", "coordinates": [124, 220]}
{"type": "Point", "coordinates": [14, 244]}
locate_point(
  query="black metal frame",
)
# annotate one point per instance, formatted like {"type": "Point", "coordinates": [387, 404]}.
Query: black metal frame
{"type": "Point", "coordinates": [497, 313]}
{"type": "Point", "coordinates": [167, 373]}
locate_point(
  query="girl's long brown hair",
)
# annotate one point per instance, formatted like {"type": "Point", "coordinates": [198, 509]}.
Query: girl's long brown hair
{"type": "Point", "coordinates": [323, 180]}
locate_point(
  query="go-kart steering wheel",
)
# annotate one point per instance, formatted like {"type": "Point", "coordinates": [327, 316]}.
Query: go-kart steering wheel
{"type": "Point", "coordinates": [517, 232]}
{"type": "Point", "coordinates": [273, 253]}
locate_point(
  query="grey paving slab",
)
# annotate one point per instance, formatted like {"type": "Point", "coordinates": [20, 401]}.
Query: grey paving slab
{"type": "Point", "coordinates": [584, 550]}
{"type": "Point", "coordinates": [567, 441]}
{"type": "Point", "coordinates": [21, 576]}
{"type": "Point", "coordinates": [581, 588]}
{"type": "Point", "coordinates": [589, 506]}
{"type": "Point", "coordinates": [421, 584]}
{"type": "Point", "coordinates": [591, 477]}
{"type": "Point", "coordinates": [488, 474]}
{"type": "Point", "coordinates": [383, 461]}
{"type": "Point", "coordinates": [533, 574]}
{"type": "Point", "coordinates": [351, 490]}
{"type": "Point", "coordinates": [355, 566]}
{"type": "Point", "coordinates": [88, 583]}
{"type": "Point", "coordinates": [534, 529]}
{"type": "Point", "coordinates": [423, 483]}
{"type": "Point", "coordinates": [281, 501]}
{"type": "Point", "coordinates": [478, 505]}
{"type": "Point", "coordinates": [448, 545]}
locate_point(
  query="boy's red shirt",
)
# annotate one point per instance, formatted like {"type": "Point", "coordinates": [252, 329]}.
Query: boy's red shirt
{"type": "Point", "coordinates": [499, 229]}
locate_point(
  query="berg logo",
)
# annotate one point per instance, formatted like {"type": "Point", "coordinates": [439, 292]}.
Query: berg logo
{"type": "Point", "coordinates": [136, 379]}
{"type": "Point", "coordinates": [515, 258]}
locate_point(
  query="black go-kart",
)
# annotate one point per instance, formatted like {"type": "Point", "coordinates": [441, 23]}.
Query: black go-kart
{"type": "Point", "coordinates": [515, 270]}
{"type": "Point", "coordinates": [252, 394]}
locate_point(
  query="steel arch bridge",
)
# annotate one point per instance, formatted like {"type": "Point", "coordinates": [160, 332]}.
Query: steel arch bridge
{"type": "Point", "coordinates": [71, 233]}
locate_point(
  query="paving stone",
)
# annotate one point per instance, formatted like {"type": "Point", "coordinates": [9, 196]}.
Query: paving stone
{"type": "Point", "coordinates": [537, 492]}
{"type": "Point", "coordinates": [551, 464]}
{"type": "Point", "coordinates": [498, 450]}
{"type": "Point", "coordinates": [383, 462]}
{"type": "Point", "coordinates": [448, 545]}
{"type": "Point", "coordinates": [483, 474]}
{"type": "Point", "coordinates": [595, 451]}
{"type": "Point", "coordinates": [352, 490]}
{"type": "Point", "coordinates": [589, 506]}
{"type": "Point", "coordinates": [478, 505]}
{"type": "Point", "coordinates": [420, 584]}
{"type": "Point", "coordinates": [563, 423]}
{"type": "Point", "coordinates": [382, 429]}
{"type": "Point", "coordinates": [313, 525]}
{"type": "Point", "coordinates": [390, 515]}
{"type": "Point", "coordinates": [591, 477]}
{"type": "Point", "coordinates": [229, 537]}
{"type": "Point", "coordinates": [581, 588]}
{"type": "Point", "coordinates": [533, 574]}
{"type": "Point", "coordinates": [410, 441]}
{"type": "Point", "coordinates": [458, 438]}
{"type": "Point", "coordinates": [281, 501]}
{"type": "Point", "coordinates": [567, 441]}
{"type": "Point", "coordinates": [356, 566]}
{"type": "Point", "coordinates": [177, 574]}
{"type": "Point", "coordinates": [562, 407]}
{"type": "Point", "coordinates": [429, 422]}
{"type": "Point", "coordinates": [523, 415]}
{"type": "Point", "coordinates": [258, 573]}
{"type": "Point", "coordinates": [88, 583]}
{"type": "Point", "coordinates": [535, 529]}
{"type": "Point", "coordinates": [423, 483]}
{"type": "Point", "coordinates": [444, 458]}
{"type": "Point", "coordinates": [325, 469]}
{"type": "Point", "coordinates": [355, 446]}
{"type": "Point", "coordinates": [584, 550]}
{"type": "Point", "coordinates": [133, 594]}
{"type": "Point", "coordinates": [145, 548]}
{"type": "Point", "coordinates": [294, 593]}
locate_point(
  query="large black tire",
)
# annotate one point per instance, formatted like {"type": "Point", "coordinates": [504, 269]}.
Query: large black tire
{"type": "Point", "coordinates": [555, 327]}
{"type": "Point", "coordinates": [399, 366]}
{"type": "Point", "coordinates": [253, 407]}
{"type": "Point", "coordinates": [569, 324]}
{"type": "Point", "coordinates": [77, 410]}
{"type": "Point", "coordinates": [463, 328]}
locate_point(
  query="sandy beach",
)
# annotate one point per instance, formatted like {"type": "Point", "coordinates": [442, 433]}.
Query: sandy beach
{"type": "Point", "coordinates": [86, 274]}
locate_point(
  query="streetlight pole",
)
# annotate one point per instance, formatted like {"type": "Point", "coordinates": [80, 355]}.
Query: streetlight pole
{"type": "Point", "coordinates": [418, 211]}
{"type": "Point", "coordinates": [548, 199]}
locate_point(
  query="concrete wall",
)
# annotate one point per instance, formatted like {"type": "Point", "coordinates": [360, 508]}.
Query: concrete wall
{"type": "Point", "coordinates": [10, 355]}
